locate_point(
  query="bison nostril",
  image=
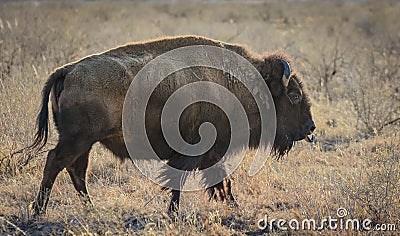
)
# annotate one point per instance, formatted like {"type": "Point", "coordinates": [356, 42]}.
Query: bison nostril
{"type": "Point", "coordinates": [312, 128]}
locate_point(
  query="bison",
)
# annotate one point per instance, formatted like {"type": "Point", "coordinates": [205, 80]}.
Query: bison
{"type": "Point", "coordinates": [87, 98]}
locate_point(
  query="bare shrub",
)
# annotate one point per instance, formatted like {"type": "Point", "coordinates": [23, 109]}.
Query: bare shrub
{"type": "Point", "coordinates": [375, 187]}
{"type": "Point", "coordinates": [327, 70]}
{"type": "Point", "coordinates": [331, 62]}
{"type": "Point", "coordinates": [374, 88]}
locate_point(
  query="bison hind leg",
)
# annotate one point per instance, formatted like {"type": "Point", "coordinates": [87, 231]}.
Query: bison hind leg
{"type": "Point", "coordinates": [63, 155]}
{"type": "Point", "coordinates": [77, 172]}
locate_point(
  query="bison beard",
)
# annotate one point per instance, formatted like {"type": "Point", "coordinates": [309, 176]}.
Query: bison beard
{"type": "Point", "coordinates": [87, 97]}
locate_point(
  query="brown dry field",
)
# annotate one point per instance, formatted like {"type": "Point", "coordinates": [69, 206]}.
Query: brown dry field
{"type": "Point", "coordinates": [348, 55]}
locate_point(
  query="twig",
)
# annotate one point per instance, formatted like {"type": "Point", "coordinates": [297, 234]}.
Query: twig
{"type": "Point", "coordinates": [31, 156]}
{"type": "Point", "coordinates": [152, 198]}
{"type": "Point", "coordinates": [18, 152]}
{"type": "Point", "coordinates": [22, 151]}
{"type": "Point", "coordinates": [391, 122]}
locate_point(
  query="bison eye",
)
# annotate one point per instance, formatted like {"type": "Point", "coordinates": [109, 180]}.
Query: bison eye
{"type": "Point", "coordinates": [295, 98]}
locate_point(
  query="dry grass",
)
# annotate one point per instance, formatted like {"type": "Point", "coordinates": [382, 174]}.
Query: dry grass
{"type": "Point", "coordinates": [351, 166]}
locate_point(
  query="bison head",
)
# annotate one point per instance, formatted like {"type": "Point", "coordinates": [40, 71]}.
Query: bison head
{"type": "Point", "coordinates": [294, 119]}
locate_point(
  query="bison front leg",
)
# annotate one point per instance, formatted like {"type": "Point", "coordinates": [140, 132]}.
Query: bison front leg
{"type": "Point", "coordinates": [174, 204]}
{"type": "Point", "coordinates": [222, 192]}
{"type": "Point", "coordinates": [77, 172]}
{"type": "Point", "coordinates": [181, 163]}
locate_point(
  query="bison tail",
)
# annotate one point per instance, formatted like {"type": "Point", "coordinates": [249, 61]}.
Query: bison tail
{"type": "Point", "coordinates": [43, 116]}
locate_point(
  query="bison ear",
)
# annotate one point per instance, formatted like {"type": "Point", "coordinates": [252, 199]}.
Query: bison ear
{"type": "Point", "coordinates": [286, 73]}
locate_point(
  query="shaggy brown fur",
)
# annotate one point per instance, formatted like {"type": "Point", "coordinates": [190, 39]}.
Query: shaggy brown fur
{"type": "Point", "coordinates": [88, 95]}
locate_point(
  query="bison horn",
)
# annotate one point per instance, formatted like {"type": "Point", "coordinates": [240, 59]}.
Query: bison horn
{"type": "Point", "coordinates": [286, 73]}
